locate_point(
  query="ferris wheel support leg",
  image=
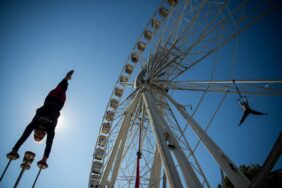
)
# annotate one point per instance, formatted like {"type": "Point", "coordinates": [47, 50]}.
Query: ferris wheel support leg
{"type": "Point", "coordinates": [118, 148]}
{"type": "Point", "coordinates": [156, 171]}
{"type": "Point", "coordinates": [169, 166]}
{"type": "Point", "coordinates": [160, 128]}
{"type": "Point", "coordinates": [232, 171]}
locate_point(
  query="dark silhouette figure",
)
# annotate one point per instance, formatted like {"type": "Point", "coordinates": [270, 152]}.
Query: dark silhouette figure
{"type": "Point", "coordinates": [45, 119]}
{"type": "Point", "coordinates": [247, 109]}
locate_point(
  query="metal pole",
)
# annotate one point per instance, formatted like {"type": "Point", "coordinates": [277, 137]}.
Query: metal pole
{"type": "Point", "coordinates": [36, 178]}
{"type": "Point", "coordinates": [5, 170]}
{"type": "Point", "coordinates": [223, 82]}
{"type": "Point", "coordinates": [19, 178]}
{"type": "Point", "coordinates": [166, 157]}
{"type": "Point", "coordinates": [160, 128]}
{"type": "Point", "coordinates": [27, 160]}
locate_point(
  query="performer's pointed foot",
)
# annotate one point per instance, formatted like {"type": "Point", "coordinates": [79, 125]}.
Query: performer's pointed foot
{"type": "Point", "coordinates": [13, 155]}
{"type": "Point", "coordinates": [69, 75]}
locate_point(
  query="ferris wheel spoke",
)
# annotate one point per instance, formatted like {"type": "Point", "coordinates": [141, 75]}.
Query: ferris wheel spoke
{"type": "Point", "coordinates": [251, 87]}
{"type": "Point", "coordinates": [209, 32]}
{"type": "Point", "coordinates": [118, 148]}
{"type": "Point", "coordinates": [186, 34]}
{"type": "Point", "coordinates": [125, 175]}
{"type": "Point", "coordinates": [213, 48]}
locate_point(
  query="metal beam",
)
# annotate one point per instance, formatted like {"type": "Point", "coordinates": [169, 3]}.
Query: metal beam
{"type": "Point", "coordinates": [160, 128]}
{"type": "Point", "coordinates": [232, 171]}
{"type": "Point", "coordinates": [169, 166]}
{"type": "Point", "coordinates": [253, 87]}
{"type": "Point", "coordinates": [155, 174]}
{"type": "Point", "coordinates": [223, 82]}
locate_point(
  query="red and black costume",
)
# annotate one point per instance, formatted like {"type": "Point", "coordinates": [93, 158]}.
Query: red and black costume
{"type": "Point", "coordinates": [49, 113]}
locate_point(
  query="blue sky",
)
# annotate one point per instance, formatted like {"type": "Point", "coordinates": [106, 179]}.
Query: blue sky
{"type": "Point", "coordinates": [41, 40]}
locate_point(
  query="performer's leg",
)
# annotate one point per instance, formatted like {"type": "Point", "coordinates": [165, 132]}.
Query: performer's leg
{"type": "Point", "coordinates": [28, 130]}
{"type": "Point", "coordinates": [256, 112]}
{"type": "Point", "coordinates": [246, 113]}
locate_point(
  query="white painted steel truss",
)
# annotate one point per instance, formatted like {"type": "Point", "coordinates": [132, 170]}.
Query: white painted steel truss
{"type": "Point", "coordinates": [143, 119]}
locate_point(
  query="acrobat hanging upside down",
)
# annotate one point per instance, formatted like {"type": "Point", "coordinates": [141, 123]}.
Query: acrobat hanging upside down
{"type": "Point", "coordinates": [45, 119]}
{"type": "Point", "coordinates": [247, 109]}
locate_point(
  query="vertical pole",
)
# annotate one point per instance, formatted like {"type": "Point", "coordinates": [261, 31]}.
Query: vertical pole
{"type": "Point", "coordinates": [36, 178]}
{"type": "Point", "coordinates": [139, 156]}
{"type": "Point", "coordinates": [160, 128]}
{"type": "Point", "coordinates": [27, 160]}
{"type": "Point", "coordinates": [5, 170]}
{"type": "Point", "coordinates": [19, 178]}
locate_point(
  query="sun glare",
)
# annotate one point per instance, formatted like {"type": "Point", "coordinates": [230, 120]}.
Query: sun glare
{"type": "Point", "coordinates": [61, 123]}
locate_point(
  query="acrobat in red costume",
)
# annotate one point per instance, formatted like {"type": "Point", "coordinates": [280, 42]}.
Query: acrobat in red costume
{"type": "Point", "coordinates": [45, 119]}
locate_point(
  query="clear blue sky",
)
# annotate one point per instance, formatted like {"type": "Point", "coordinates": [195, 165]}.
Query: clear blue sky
{"type": "Point", "coordinates": [41, 40]}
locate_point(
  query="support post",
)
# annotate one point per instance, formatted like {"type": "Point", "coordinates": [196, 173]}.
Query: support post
{"type": "Point", "coordinates": [20, 176]}
{"type": "Point", "coordinates": [8, 164]}
{"type": "Point", "coordinates": [160, 128]}
{"type": "Point", "coordinates": [232, 171]}
{"type": "Point", "coordinates": [27, 161]}
{"type": "Point", "coordinates": [36, 178]}
{"type": "Point", "coordinates": [13, 155]}
{"type": "Point", "coordinates": [169, 166]}
{"type": "Point", "coordinates": [155, 174]}
{"type": "Point", "coordinates": [41, 166]}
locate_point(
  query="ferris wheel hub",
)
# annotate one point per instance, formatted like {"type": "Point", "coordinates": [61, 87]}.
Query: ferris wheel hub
{"type": "Point", "coordinates": [140, 79]}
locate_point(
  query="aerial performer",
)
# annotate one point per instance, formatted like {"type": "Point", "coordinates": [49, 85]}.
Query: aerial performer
{"type": "Point", "coordinates": [45, 119]}
{"type": "Point", "coordinates": [247, 109]}
{"type": "Point", "coordinates": [243, 101]}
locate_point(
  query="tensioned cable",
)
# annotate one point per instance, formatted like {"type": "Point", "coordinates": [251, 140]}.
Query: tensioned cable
{"type": "Point", "coordinates": [202, 98]}
{"type": "Point", "coordinates": [211, 120]}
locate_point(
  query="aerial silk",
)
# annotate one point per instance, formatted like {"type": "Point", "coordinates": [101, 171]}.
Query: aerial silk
{"type": "Point", "coordinates": [237, 89]}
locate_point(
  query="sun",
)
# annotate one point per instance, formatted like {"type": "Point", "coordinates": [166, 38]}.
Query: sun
{"type": "Point", "coordinates": [61, 123]}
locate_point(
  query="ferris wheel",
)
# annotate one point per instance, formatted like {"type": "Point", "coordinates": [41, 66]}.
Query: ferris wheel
{"type": "Point", "coordinates": [143, 140]}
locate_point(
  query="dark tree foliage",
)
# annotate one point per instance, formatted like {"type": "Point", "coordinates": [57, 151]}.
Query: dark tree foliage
{"type": "Point", "coordinates": [274, 180]}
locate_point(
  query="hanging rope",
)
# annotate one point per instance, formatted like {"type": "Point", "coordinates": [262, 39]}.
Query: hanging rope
{"type": "Point", "coordinates": [237, 89]}
{"type": "Point", "coordinates": [210, 122]}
